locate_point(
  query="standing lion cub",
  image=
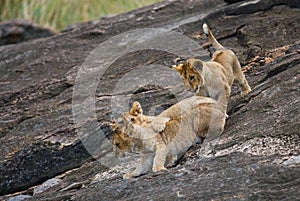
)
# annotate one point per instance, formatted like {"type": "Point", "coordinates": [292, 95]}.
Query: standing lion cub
{"type": "Point", "coordinates": [162, 139]}
{"type": "Point", "coordinates": [215, 77]}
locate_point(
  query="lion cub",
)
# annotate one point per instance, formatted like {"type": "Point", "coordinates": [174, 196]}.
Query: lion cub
{"type": "Point", "coordinates": [215, 77]}
{"type": "Point", "coordinates": [162, 139]}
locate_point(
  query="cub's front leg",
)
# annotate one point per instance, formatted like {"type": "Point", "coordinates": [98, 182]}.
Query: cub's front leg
{"type": "Point", "coordinates": [160, 157]}
{"type": "Point", "coordinates": [142, 168]}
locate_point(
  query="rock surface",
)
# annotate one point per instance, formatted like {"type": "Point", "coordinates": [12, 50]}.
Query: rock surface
{"type": "Point", "coordinates": [42, 145]}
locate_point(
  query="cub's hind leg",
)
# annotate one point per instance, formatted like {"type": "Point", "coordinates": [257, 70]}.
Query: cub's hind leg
{"type": "Point", "coordinates": [214, 132]}
{"type": "Point", "coordinates": [240, 78]}
{"type": "Point", "coordinates": [245, 87]}
{"type": "Point", "coordinates": [171, 160]}
{"type": "Point", "coordinates": [208, 148]}
{"type": "Point", "coordinates": [212, 139]}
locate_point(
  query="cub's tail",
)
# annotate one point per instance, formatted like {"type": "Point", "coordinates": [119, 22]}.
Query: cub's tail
{"type": "Point", "coordinates": [211, 37]}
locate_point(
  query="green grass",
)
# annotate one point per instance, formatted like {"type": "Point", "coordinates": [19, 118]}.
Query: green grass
{"type": "Point", "coordinates": [58, 14]}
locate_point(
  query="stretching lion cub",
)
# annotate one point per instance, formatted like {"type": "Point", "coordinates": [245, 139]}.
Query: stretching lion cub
{"type": "Point", "coordinates": [214, 78]}
{"type": "Point", "coordinates": [162, 139]}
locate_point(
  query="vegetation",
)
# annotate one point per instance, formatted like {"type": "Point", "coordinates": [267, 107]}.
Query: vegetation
{"type": "Point", "coordinates": [58, 14]}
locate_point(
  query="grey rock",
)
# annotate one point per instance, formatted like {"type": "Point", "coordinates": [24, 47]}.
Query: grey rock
{"type": "Point", "coordinates": [40, 138]}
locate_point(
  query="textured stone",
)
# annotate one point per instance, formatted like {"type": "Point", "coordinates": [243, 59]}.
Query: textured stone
{"type": "Point", "coordinates": [257, 157]}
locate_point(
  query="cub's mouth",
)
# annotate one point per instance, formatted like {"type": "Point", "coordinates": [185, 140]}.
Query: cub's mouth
{"type": "Point", "coordinates": [197, 89]}
{"type": "Point", "coordinates": [192, 89]}
{"type": "Point", "coordinates": [202, 90]}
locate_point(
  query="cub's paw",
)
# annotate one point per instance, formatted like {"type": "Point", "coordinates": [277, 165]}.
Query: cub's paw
{"type": "Point", "coordinates": [246, 92]}
{"type": "Point", "coordinates": [171, 162]}
{"type": "Point", "coordinates": [207, 150]}
{"type": "Point", "coordinates": [156, 169]}
{"type": "Point", "coordinates": [128, 175]}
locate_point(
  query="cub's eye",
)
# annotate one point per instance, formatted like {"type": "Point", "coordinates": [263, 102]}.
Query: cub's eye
{"type": "Point", "coordinates": [132, 120]}
{"type": "Point", "coordinates": [191, 77]}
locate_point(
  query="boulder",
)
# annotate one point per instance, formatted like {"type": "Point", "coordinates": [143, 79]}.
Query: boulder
{"type": "Point", "coordinates": [19, 30]}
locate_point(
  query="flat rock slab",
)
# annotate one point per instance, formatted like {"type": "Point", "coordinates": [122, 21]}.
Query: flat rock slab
{"type": "Point", "coordinates": [257, 154]}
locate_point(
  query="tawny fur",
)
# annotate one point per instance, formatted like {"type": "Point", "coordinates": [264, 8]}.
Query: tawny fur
{"type": "Point", "coordinates": [214, 78]}
{"type": "Point", "coordinates": [161, 139]}
{"type": "Point", "coordinates": [205, 79]}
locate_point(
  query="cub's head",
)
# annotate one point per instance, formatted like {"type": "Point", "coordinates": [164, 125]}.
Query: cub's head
{"type": "Point", "coordinates": [121, 141]}
{"type": "Point", "coordinates": [191, 72]}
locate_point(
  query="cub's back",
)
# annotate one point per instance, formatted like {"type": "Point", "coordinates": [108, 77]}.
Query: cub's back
{"type": "Point", "coordinates": [179, 109]}
{"type": "Point", "coordinates": [190, 118]}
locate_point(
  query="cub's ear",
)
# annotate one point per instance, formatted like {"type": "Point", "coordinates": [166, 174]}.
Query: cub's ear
{"type": "Point", "coordinates": [113, 125]}
{"type": "Point", "coordinates": [158, 124]}
{"type": "Point", "coordinates": [178, 61]}
{"type": "Point", "coordinates": [178, 68]}
{"type": "Point", "coordinates": [136, 109]}
{"type": "Point", "coordinates": [198, 65]}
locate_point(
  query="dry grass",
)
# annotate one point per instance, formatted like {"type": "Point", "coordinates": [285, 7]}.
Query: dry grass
{"type": "Point", "coordinates": [58, 14]}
